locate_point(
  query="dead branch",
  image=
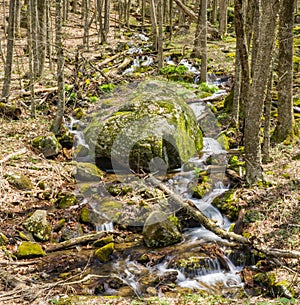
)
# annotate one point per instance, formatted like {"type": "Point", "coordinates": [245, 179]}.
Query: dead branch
{"type": "Point", "coordinates": [121, 67]}
{"type": "Point", "coordinates": [76, 241]}
{"type": "Point", "coordinates": [186, 10]}
{"type": "Point", "coordinates": [111, 58]}
{"type": "Point", "coordinates": [13, 263]}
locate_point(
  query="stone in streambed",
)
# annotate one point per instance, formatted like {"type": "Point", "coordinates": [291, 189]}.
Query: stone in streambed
{"type": "Point", "coordinates": [29, 250]}
{"type": "Point", "coordinates": [103, 253]}
{"type": "Point", "coordinates": [159, 231]}
{"type": "Point", "coordinates": [48, 145]}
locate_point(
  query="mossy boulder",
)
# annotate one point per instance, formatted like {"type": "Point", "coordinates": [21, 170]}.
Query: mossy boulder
{"type": "Point", "coordinates": [48, 145]}
{"type": "Point", "coordinates": [29, 249]}
{"type": "Point", "coordinates": [159, 231]}
{"type": "Point", "coordinates": [153, 128]}
{"type": "Point", "coordinates": [38, 225]}
{"type": "Point", "coordinates": [103, 253]}
{"type": "Point", "coordinates": [66, 200]}
{"type": "Point", "coordinates": [84, 171]}
{"type": "Point", "coordinates": [227, 204]}
{"type": "Point", "coordinates": [19, 181]}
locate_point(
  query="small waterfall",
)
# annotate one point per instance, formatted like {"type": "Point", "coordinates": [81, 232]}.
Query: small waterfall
{"type": "Point", "coordinates": [105, 227]}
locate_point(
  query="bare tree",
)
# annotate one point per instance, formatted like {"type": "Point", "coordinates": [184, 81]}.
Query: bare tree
{"type": "Point", "coordinates": [223, 17]}
{"type": "Point", "coordinates": [10, 49]}
{"type": "Point", "coordinates": [57, 122]}
{"type": "Point", "coordinates": [285, 120]}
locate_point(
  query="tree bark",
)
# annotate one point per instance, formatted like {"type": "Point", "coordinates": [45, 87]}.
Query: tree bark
{"type": "Point", "coordinates": [223, 18]}
{"type": "Point", "coordinates": [285, 120]}
{"type": "Point", "coordinates": [254, 107]}
{"type": "Point", "coordinates": [57, 123]}
{"type": "Point", "coordinates": [9, 50]}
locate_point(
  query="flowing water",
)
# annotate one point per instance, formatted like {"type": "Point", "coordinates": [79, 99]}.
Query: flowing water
{"type": "Point", "coordinates": [206, 273]}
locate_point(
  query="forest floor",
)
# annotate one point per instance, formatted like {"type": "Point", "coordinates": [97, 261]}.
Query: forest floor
{"type": "Point", "coordinates": [276, 214]}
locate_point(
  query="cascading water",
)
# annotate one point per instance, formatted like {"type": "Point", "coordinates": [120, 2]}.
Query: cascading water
{"type": "Point", "coordinates": [208, 273]}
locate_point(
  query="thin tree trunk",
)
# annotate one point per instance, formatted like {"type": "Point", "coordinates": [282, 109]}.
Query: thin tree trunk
{"type": "Point", "coordinates": [254, 107]}
{"type": "Point", "coordinates": [160, 33]}
{"type": "Point", "coordinates": [154, 24]}
{"type": "Point", "coordinates": [237, 90]}
{"type": "Point", "coordinates": [171, 18]}
{"type": "Point", "coordinates": [223, 18]}
{"type": "Point", "coordinates": [285, 120]}
{"type": "Point", "coordinates": [10, 49]}
{"type": "Point", "coordinates": [58, 121]}
{"type": "Point", "coordinates": [214, 12]}
{"type": "Point", "coordinates": [267, 118]}
{"type": "Point", "coordinates": [41, 36]}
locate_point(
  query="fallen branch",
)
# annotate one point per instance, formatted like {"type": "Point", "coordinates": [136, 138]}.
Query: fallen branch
{"type": "Point", "coordinates": [76, 241]}
{"type": "Point", "coordinates": [14, 154]}
{"type": "Point", "coordinates": [197, 214]}
{"type": "Point", "coordinates": [187, 10]}
{"type": "Point", "coordinates": [109, 59]}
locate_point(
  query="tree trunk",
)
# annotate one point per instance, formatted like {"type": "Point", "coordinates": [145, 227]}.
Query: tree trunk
{"type": "Point", "coordinates": [285, 121]}
{"type": "Point", "coordinates": [223, 18]}
{"type": "Point", "coordinates": [154, 24]}
{"type": "Point", "coordinates": [57, 123]}
{"type": "Point", "coordinates": [160, 33]}
{"type": "Point", "coordinates": [41, 36]}
{"type": "Point", "coordinates": [10, 49]}
{"type": "Point", "coordinates": [254, 107]}
{"type": "Point", "coordinates": [243, 53]}
{"type": "Point", "coordinates": [214, 12]}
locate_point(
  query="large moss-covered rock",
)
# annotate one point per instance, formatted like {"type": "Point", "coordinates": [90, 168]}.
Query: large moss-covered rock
{"type": "Point", "coordinates": [29, 249]}
{"type": "Point", "coordinates": [48, 145]}
{"type": "Point", "coordinates": [38, 225]}
{"type": "Point", "coordinates": [154, 130]}
{"type": "Point", "coordinates": [159, 231]}
{"type": "Point", "coordinates": [103, 253]}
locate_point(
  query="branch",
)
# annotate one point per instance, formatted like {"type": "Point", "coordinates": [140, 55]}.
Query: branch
{"type": "Point", "coordinates": [76, 241]}
{"type": "Point", "coordinates": [14, 154]}
{"type": "Point", "coordinates": [186, 10]}
{"type": "Point", "coordinates": [197, 214]}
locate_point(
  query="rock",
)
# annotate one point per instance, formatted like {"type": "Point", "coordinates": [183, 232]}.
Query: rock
{"type": "Point", "coordinates": [48, 145]}
{"type": "Point", "coordinates": [66, 140]}
{"type": "Point", "coordinates": [19, 181]}
{"type": "Point", "coordinates": [71, 232]}
{"type": "Point", "coordinates": [66, 200]}
{"type": "Point", "coordinates": [103, 253]}
{"type": "Point", "coordinates": [3, 239]}
{"type": "Point", "coordinates": [103, 241]}
{"type": "Point", "coordinates": [29, 249]}
{"type": "Point", "coordinates": [155, 131]}
{"type": "Point", "coordinates": [38, 225]}
{"type": "Point", "coordinates": [159, 231]}
{"type": "Point", "coordinates": [84, 171]}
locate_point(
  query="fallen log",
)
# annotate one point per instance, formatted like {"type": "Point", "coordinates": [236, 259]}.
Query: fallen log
{"type": "Point", "coordinates": [197, 214]}
{"type": "Point", "coordinates": [187, 10]}
{"type": "Point", "coordinates": [10, 111]}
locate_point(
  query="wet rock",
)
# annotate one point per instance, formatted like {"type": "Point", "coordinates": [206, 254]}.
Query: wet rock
{"type": "Point", "coordinates": [103, 253]}
{"type": "Point", "coordinates": [29, 250]}
{"type": "Point", "coordinates": [66, 200]}
{"type": "Point", "coordinates": [19, 181]}
{"type": "Point", "coordinates": [159, 231]}
{"type": "Point", "coordinates": [66, 140]}
{"type": "Point", "coordinates": [48, 145]}
{"type": "Point", "coordinates": [38, 225]}
{"type": "Point", "coordinates": [155, 128]}
{"type": "Point", "coordinates": [84, 171]}
{"type": "Point", "coordinates": [103, 241]}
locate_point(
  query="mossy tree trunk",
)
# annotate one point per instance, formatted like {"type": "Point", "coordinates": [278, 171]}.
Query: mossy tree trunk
{"type": "Point", "coordinates": [285, 121]}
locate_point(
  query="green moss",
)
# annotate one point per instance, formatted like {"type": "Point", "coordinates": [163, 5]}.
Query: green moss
{"type": "Point", "coordinates": [103, 241]}
{"type": "Point", "coordinates": [19, 181]}
{"type": "Point", "coordinates": [3, 239]}
{"type": "Point", "coordinates": [29, 250]}
{"type": "Point", "coordinates": [227, 204]}
{"type": "Point", "coordinates": [119, 190]}
{"type": "Point", "coordinates": [85, 171]}
{"type": "Point", "coordinates": [103, 253]}
{"type": "Point", "coordinates": [65, 201]}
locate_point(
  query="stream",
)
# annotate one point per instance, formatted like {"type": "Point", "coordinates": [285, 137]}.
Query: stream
{"type": "Point", "coordinates": [186, 265]}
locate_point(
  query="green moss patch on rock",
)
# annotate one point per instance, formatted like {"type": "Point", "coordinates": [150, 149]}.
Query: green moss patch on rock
{"type": "Point", "coordinates": [19, 181]}
{"type": "Point", "coordinates": [48, 145]}
{"type": "Point", "coordinates": [154, 122]}
{"type": "Point", "coordinates": [227, 204]}
{"type": "Point", "coordinates": [84, 171]}
{"type": "Point", "coordinates": [103, 253]}
{"type": "Point", "coordinates": [3, 239]}
{"type": "Point", "coordinates": [29, 250]}
{"type": "Point", "coordinates": [66, 200]}
{"type": "Point", "coordinates": [38, 225]}
{"type": "Point", "coordinates": [159, 231]}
